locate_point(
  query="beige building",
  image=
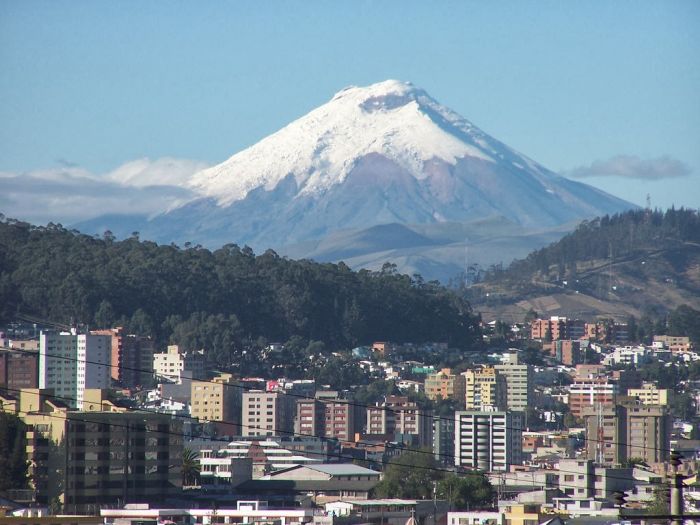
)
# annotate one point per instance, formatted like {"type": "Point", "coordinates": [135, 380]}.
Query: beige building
{"type": "Point", "coordinates": [518, 382]}
{"type": "Point", "coordinates": [170, 364]}
{"type": "Point", "coordinates": [650, 394]}
{"type": "Point", "coordinates": [218, 399]}
{"type": "Point", "coordinates": [444, 385]}
{"type": "Point", "coordinates": [628, 430]}
{"type": "Point", "coordinates": [267, 413]}
{"type": "Point", "coordinates": [484, 388]}
{"type": "Point", "coordinates": [398, 417]}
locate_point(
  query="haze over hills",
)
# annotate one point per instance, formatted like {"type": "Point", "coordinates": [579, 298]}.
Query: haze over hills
{"type": "Point", "coordinates": [378, 173]}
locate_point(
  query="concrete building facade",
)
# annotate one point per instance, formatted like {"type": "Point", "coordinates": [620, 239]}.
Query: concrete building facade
{"type": "Point", "coordinates": [518, 383]}
{"type": "Point", "coordinates": [70, 362]}
{"type": "Point", "coordinates": [267, 413]}
{"type": "Point", "coordinates": [490, 441]}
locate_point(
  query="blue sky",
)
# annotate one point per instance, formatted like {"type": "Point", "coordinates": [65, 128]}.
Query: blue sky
{"type": "Point", "coordinates": [605, 90]}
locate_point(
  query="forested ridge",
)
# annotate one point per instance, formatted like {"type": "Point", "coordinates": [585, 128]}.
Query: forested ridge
{"type": "Point", "coordinates": [231, 294]}
{"type": "Point", "coordinates": [609, 237]}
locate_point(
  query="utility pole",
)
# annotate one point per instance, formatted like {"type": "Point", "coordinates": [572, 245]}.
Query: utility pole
{"type": "Point", "coordinates": [676, 489]}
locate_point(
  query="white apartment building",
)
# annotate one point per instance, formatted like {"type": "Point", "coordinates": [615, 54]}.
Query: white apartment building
{"type": "Point", "coordinates": [220, 466]}
{"type": "Point", "coordinates": [629, 355]}
{"type": "Point", "coordinates": [490, 441]}
{"type": "Point", "coordinates": [70, 362]}
{"type": "Point", "coordinates": [518, 382]}
{"type": "Point", "coordinates": [170, 364]}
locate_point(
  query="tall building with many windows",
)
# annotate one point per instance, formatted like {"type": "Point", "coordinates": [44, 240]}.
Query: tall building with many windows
{"type": "Point", "coordinates": [218, 399]}
{"type": "Point", "coordinates": [330, 414]}
{"type": "Point", "coordinates": [105, 454]}
{"type": "Point", "coordinates": [70, 362]}
{"type": "Point", "coordinates": [628, 429]}
{"type": "Point", "coordinates": [490, 441]}
{"type": "Point", "coordinates": [518, 382]}
{"type": "Point", "coordinates": [132, 357]}
{"type": "Point", "coordinates": [267, 413]}
{"type": "Point", "coordinates": [484, 389]}
{"type": "Point", "coordinates": [19, 369]}
{"type": "Point", "coordinates": [399, 418]}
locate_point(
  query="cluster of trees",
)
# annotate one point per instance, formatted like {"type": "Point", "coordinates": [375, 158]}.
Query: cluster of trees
{"type": "Point", "coordinates": [624, 234]}
{"type": "Point", "coordinates": [13, 456]}
{"type": "Point", "coordinates": [414, 475]}
{"type": "Point", "coordinates": [217, 299]}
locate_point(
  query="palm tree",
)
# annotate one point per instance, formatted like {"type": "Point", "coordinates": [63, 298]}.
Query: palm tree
{"type": "Point", "coordinates": [190, 467]}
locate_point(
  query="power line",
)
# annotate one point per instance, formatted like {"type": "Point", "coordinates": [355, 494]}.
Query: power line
{"type": "Point", "coordinates": [337, 401]}
{"type": "Point", "coordinates": [324, 454]}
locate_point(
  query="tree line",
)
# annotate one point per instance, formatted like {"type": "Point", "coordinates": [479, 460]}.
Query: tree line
{"type": "Point", "coordinates": [611, 236]}
{"type": "Point", "coordinates": [217, 299]}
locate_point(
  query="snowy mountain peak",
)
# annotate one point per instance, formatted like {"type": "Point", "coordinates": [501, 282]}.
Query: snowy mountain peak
{"type": "Point", "coordinates": [393, 119]}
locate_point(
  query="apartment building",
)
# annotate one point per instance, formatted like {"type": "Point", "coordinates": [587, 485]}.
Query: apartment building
{"type": "Point", "coordinates": [102, 455]}
{"type": "Point", "coordinates": [330, 415]}
{"type": "Point", "coordinates": [484, 389]}
{"type": "Point", "coordinates": [131, 357]}
{"type": "Point", "coordinates": [398, 418]}
{"type": "Point", "coordinates": [444, 384]}
{"type": "Point", "coordinates": [170, 364]}
{"type": "Point", "coordinates": [650, 394]}
{"type": "Point", "coordinates": [19, 369]}
{"type": "Point", "coordinates": [121, 457]}
{"type": "Point", "coordinates": [219, 399]}
{"type": "Point", "coordinates": [267, 413]}
{"type": "Point", "coordinates": [70, 362]}
{"type": "Point", "coordinates": [518, 382]}
{"type": "Point", "coordinates": [627, 430]}
{"type": "Point", "coordinates": [444, 439]}
{"type": "Point", "coordinates": [587, 393]}
{"type": "Point", "coordinates": [674, 343]}
{"type": "Point", "coordinates": [567, 351]}
{"type": "Point", "coordinates": [490, 441]}
{"type": "Point", "coordinates": [556, 328]}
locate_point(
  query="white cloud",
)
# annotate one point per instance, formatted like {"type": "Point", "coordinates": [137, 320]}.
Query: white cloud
{"type": "Point", "coordinates": [71, 194]}
{"type": "Point", "coordinates": [164, 171]}
{"type": "Point", "coordinates": [633, 167]}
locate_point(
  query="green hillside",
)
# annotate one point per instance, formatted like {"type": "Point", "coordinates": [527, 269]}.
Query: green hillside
{"type": "Point", "coordinates": [635, 263]}
{"type": "Point", "coordinates": [218, 299]}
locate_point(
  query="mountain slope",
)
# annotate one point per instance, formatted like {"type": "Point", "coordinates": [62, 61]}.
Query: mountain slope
{"type": "Point", "coordinates": [635, 263]}
{"type": "Point", "coordinates": [383, 154]}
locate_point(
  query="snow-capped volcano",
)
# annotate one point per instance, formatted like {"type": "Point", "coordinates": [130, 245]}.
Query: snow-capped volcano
{"type": "Point", "coordinates": [378, 155]}
{"type": "Point", "coordinates": [393, 119]}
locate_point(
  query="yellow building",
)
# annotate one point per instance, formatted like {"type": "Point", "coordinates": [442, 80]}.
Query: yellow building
{"type": "Point", "coordinates": [484, 388]}
{"type": "Point", "coordinates": [525, 514]}
{"type": "Point", "coordinates": [218, 399]}
{"type": "Point", "coordinates": [650, 394]}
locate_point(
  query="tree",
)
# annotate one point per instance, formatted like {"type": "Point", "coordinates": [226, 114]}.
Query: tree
{"type": "Point", "coordinates": [570, 420]}
{"type": "Point", "coordinates": [634, 462]}
{"type": "Point", "coordinates": [13, 456]}
{"type": "Point", "coordinates": [660, 503]}
{"type": "Point", "coordinates": [466, 492]}
{"type": "Point", "coordinates": [104, 316]}
{"type": "Point", "coordinates": [190, 467]}
{"type": "Point", "coordinates": [410, 475]}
